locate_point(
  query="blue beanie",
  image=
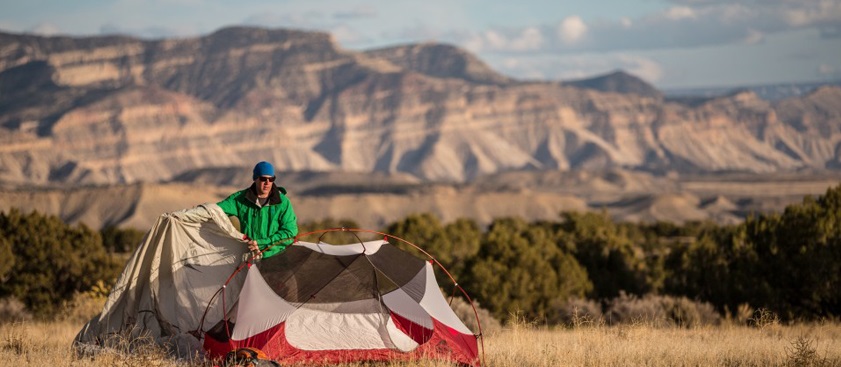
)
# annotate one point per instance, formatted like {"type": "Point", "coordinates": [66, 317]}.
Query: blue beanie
{"type": "Point", "coordinates": [263, 169]}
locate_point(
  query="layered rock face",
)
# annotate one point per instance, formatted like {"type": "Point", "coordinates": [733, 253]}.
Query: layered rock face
{"type": "Point", "coordinates": [109, 110]}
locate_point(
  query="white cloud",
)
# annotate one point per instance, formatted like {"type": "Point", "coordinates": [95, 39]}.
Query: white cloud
{"type": "Point", "coordinates": [645, 68]}
{"type": "Point", "coordinates": [688, 24]}
{"type": "Point", "coordinates": [829, 72]}
{"type": "Point", "coordinates": [46, 29]}
{"type": "Point", "coordinates": [344, 34]}
{"type": "Point", "coordinates": [290, 20]}
{"type": "Point", "coordinates": [626, 22]}
{"type": "Point", "coordinates": [571, 29]}
{"type": "Point", "coordinates": [149, 32]}
{"type": "Point", "coordinates": [473, 44]}
{"type": "Point", "coordinates": [679, 12]}
{"type": "Point", "coordinates": [526, 40]}
{"type": "Point", "coordinates": [529, 39]}
{"type": "Point", "coordinates": [494, 40]}
{"type": "Point", "coordinates": [753, 37]}
{"type": "Point", "coordinates": [356, 13]}
{"type": "Point", "coordinates": [820, 11]}
{"type": "Point", "coordinates": [8, 26]}
{"type": "Point", "coordinates": [568, 67]}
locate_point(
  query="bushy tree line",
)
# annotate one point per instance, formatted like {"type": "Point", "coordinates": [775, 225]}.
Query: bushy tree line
{"type": "Point", "coordinates": [788, 263]}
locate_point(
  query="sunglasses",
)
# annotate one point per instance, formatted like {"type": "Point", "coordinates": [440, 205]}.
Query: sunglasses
{"type": "Point", "coordinates": [266, 179]}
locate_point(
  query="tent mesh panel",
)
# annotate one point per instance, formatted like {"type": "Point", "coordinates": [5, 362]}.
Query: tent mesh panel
{"type": "Point", "coordinates": [300, 275]}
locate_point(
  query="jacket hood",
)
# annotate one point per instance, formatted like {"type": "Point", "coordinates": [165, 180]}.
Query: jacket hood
{"type": "Point", "coordinates": [274, 194]}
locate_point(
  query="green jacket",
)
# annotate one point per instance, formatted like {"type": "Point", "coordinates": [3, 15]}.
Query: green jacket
{"type": "Point", "coordinates": [267, 225]}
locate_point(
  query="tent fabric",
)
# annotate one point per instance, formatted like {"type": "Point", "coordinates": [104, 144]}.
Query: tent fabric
{"type": "Point", "coordinates": [322, 303]}
{"type": "Point", "coordinates": [187, 288]}
{"type": "Point", "coordinates": [168, 283]}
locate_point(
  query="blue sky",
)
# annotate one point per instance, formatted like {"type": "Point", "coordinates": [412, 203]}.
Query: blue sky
{"type": "Point", "coordinates": [669, 43]}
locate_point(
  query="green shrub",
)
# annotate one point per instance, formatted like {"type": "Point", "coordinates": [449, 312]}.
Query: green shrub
{"type": "Point", "coordinates": [53, 260]}
{"type": "Point", "coordinates": [121, 240]}
{"type": "Point", "coordinates": [7, 258]}
{"type": "Point", "coordinates": [614, 264]}
{"type": "Point", "coordinates": [521, 269]}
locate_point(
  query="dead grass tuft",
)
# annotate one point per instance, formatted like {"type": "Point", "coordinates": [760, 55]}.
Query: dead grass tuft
{"type": "Point", "coordinates": [15, 344]}
{"type": "Point", "coordinates": [661, 311]}
{"type": "Point", "coordinates": [465, 313]}
{"type": "Point", "coordinates": [12, 310]}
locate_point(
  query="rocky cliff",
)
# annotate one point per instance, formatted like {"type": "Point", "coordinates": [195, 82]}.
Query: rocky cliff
{"type": "Point", "coordinates": [104, 110]}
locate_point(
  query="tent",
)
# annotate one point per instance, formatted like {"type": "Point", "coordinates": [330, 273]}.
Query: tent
{"type": "Point", "coordinates": [192, 288]}
{"type": "Point", "coordinates": [168, 284]}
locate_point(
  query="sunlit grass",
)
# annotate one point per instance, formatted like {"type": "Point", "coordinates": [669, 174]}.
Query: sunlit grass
{"type": "Point", "coordinates": [49, 344]}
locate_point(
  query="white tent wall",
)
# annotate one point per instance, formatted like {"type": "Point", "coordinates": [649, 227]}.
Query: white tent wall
{"type": "Point", "coordinates": [169, 281]}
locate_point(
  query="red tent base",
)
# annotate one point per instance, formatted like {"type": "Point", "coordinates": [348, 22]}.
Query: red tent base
{"type": "Point", "coordinates": [274, 344]}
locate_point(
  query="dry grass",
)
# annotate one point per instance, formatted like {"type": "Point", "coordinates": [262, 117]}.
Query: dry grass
{"type": "Point", "coordinates": [642, 345]}
{"type": "Point", "coordinates": [48, 344]}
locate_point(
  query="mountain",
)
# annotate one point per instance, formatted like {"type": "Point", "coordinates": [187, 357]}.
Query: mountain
{"type": "Point", "coordinates": [441, 61]}
{"type": "Point", "coordinates": [117, 130]}
{"type": "Point", "coordinates": [618, 82]}
{"type": "Point", "coordinates": [768, 92]}
{"type": "Point", "coordinates": [120, 110]}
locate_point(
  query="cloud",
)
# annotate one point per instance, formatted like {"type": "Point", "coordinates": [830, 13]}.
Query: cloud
{"type": "Point", "coordinates": [335, 23]}
{"type": "Point", "coordinates": [529, 39]}
{"type": "Point", "coordinates": [422, 32]}
{"type": "Point", "coordinates": [312, 19]}
{"type": "Point", "coordinates": [569, 67]}
{"type": "Point", "coordinates": [525, 40]}
{"type": "Point", "coordinates": [829, 72]}
{"type": "Point", "coordinates": [831, 32]}
{"type": "Point", "coordinates": [571, 29]}
{"type": "Point", "coordinates": [346, 35]}
{"type": "Point", "coordinates": [356, 13]}
{"type": "Point", "coordinates": [45, 29]}
{"type": "Point", "coordinates": [753, 37]}
{"type": "Point", "coordinates": [679, 12]}
{"type": "Point", "coordinates": [686, 24]}
{"type": "Point", "coordinates": [148, 32]}
{"type": "Point", "coordinates": [825, 69]}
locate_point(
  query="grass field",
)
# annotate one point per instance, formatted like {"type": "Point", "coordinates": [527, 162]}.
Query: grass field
{"type": "Point", "coordinates": [520, 345]}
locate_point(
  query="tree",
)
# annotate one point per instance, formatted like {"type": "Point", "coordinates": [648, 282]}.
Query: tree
{"type": "Point", "coordinates": [520, 268]}
{"type": "Point", "coordinates": [799, 257]}
{"type": "Point", "coordinates": [120, 240]}
{"type": "Point", "coordinates": [329, 223]}
{"type": "Point", "coordinates": [465, 238]}
{"type": "Point", "coordinates": [718, 266]}
{"type": "Point", "coordinates": [425, 231]}
{"type": "Point", "coordinates": [612, 261]}
{"type": "Point", "coordinates": [7, 259]}
{"type": "Point", "coordinates": [53, 261]}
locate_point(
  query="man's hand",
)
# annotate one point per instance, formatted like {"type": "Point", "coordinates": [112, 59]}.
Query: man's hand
{"type": "Point", "coordinates": [252, 245]}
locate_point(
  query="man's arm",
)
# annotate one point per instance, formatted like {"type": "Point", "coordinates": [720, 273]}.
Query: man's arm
{"type": "Point", "coordinates": [287, 230]}
{"type": "Point", "coordinates": [229, 205]}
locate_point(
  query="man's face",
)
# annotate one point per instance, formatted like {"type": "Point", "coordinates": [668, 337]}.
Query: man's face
{"type": "Point", "coordinates": [264, 185]}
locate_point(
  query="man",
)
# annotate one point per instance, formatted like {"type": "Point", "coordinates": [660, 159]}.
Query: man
{"type": "Point", "coordinates": [264, 212]}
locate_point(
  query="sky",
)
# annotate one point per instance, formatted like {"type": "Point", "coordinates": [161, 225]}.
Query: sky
{"type": "Point", "coordinates": [669, 43]}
